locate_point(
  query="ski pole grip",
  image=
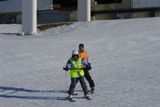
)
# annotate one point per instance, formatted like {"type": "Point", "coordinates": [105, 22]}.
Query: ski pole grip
{"type": "Point", "coordinates": [65, 68]}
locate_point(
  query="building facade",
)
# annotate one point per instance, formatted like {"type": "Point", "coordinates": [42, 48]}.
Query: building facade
{"type": "Point", "coordinates": [51, 11]}
{"type": "Point", "coordinates": [145, 3]}
{"type": "Point", "coordinates": [7, 6]}
{"type": "Point", "coordinates": [113, 9]}
{"type": "Point", "coordinates": [121, 9]}
{"type": "Point", "coordinates": [10, 12]}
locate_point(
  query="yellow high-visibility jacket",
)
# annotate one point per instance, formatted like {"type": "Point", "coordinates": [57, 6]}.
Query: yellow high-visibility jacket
{"type": "Point", "coordinates": [76, 70]}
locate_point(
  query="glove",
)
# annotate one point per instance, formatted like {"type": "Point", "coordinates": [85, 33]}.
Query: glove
{"type": "Point", "coordinates": [89, 67]}
{"type": "Point", "coordinates": [66, 69]}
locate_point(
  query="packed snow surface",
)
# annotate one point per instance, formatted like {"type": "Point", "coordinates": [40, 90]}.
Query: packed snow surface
{"type": "Point", "coordinates": [125, 56]}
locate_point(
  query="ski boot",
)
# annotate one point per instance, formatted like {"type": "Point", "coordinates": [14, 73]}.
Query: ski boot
{"type": "Point", "coordinates": [70, 98]}
{"type": "Point", "coordinates": [92, 90]}
{"type": "Point", "coordinates": [87, 97]}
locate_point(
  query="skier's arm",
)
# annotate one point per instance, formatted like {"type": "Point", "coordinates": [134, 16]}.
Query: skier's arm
{"type": "Point", "coordinates": [86, 65]}
{"type": "Point", "coordinates": [68, 66]}
{"type": "Point", "coordinates": [87, 57]}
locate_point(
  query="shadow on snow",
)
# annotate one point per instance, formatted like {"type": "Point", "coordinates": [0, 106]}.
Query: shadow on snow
{"type": "Point", "coordinates": [6, 92]}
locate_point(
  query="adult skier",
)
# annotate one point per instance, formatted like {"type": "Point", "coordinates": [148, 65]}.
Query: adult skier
{"type": "Point", "coordinates": [84, 55]}
{"type": "Point", "coordinates": [75, 64]}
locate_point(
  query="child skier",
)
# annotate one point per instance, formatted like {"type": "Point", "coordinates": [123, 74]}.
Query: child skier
{"type": "Point", "coordinates": [75, 64]}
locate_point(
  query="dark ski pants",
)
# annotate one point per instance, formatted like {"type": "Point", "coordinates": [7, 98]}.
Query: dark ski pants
{"type": "Point", "coordinates": [89, 78]}
{"type": "Point", "coordinates": [73, 85]}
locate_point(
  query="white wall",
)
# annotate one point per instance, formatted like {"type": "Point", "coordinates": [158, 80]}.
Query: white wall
{"type": "Point", "coordinates": [29, 17]}
{"type": "Point", "coordinates": [15, 5]}
{"type": "Point", "coordinates": [84, 10]}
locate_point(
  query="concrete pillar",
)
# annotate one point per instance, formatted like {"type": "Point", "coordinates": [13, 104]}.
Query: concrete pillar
{"type": "Point", "coordinates": [84, 10]}
{"type": "Point", "coordinates": [29, 17]}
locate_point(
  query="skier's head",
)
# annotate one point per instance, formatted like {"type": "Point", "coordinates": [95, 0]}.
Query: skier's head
{"type": "Point", "coordinates": [75, 54]}
{"type": "Point", "coordinates": [81, 47]}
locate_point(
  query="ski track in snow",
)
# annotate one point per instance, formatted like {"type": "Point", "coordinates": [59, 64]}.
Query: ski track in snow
{"type": "Point", "coordinates": [125, 56]}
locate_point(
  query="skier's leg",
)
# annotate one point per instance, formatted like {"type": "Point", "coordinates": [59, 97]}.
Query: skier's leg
{"type": "Point", "coordinates": [83, 85]}
{"type": "Point", "coordinates": [72, 86]}
{"type": "Point", "coordinates": [89, 79]}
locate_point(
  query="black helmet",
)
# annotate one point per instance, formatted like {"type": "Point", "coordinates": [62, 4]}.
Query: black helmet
{"type": "Point", "coordinates": [81, 45]}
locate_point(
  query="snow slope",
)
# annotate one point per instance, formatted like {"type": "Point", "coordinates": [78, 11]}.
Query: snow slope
{"type": "Point", "coordinates": [125, 55]}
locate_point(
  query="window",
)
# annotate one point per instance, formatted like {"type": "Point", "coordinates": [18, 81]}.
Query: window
{"type": "Point", "coordinates": [65, 2]}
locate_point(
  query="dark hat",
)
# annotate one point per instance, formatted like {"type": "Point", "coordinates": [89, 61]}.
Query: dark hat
{"type": "Point", "coordinates": [81, 45]}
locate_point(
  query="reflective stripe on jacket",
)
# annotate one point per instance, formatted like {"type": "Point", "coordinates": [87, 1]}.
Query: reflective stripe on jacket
{"type": "Point", "coordinates": [76, 70]}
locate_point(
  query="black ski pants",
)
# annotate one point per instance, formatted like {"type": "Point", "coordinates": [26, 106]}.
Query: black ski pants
{"type": "Point", "coordinates": [89, 78]}
{"type": "Point", "coordinates": [73, 85]}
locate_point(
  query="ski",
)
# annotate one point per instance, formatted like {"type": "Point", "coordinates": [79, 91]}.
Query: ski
{"type": "Point", "coordinates": [70, 99]}
{"type": "Point", "coordinates": [75, 94]}
{"type": "Point", "coordinates": [91, 91]}
{"type": "Point", "coordinates": [87, 97]}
